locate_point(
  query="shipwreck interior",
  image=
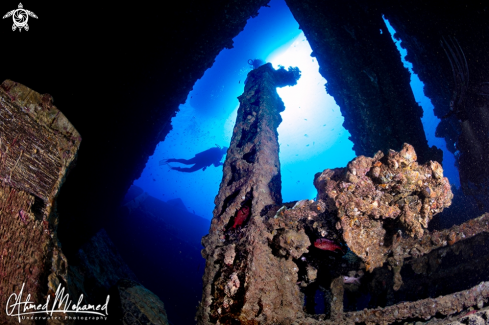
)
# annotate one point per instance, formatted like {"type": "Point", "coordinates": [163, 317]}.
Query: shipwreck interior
{"type": "Point", "coordinates": [85, 100]}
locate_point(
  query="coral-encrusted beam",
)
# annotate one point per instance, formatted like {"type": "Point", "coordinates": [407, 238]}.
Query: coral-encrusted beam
{"type": "Point", "coordinates": [241, 273]}
{"type": "Point", "coordinates": [37, 146]}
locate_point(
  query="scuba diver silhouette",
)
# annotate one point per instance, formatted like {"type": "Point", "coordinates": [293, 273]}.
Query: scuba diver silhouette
{"type": "Point", "coordinates": [201, 160]}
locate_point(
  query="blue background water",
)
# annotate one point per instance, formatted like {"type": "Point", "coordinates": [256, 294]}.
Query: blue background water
{"type": "Point", "coordinates": [311, 135]}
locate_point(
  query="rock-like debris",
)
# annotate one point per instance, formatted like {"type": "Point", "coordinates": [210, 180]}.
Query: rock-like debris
{"type": "Point", "coordinates": [375, 198]}
{"type": "Point", "coordinates": [137, 305]}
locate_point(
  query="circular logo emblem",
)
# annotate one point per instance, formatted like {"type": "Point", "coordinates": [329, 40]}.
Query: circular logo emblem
{"type": "Point", "coordinates": [20, 17]}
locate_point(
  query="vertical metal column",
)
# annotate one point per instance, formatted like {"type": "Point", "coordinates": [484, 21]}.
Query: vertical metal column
{"type": "Point", "coordinates": [244, 281]}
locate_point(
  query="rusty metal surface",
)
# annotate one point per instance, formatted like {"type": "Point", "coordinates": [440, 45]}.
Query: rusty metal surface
{"type": "Point", "coordinates": [37, 146]}
{"type": "Point", "coordinates": [456, 304]}
{"type": "Point", "coordinates": [244, 282]}
{"type": "Point", "coordinates": [37, 142]}
{"type": "Point", "coordinates": [265, 270]}
{"type": "Point", "coordinates": [423, 255]}
{"type": "Point", "coordinates": [425, 308]}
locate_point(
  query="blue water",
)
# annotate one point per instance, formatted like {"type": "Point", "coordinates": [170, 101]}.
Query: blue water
{"type": "Point", "coordinates": [311, 135]}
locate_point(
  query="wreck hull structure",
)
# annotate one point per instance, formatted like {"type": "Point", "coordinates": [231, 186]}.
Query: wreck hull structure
{"type": "Point", "coordinates": [38, 146]}
{"type": "Point", "coordinates": [265, 270]}
{"type": "Point", "coordinates": [371, 88]}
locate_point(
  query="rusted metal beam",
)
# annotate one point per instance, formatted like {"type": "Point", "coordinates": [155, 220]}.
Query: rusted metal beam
{"type": "Point", "coordinates": [37, 147]}
{"type": "Point", "coordinates": [244, 281]}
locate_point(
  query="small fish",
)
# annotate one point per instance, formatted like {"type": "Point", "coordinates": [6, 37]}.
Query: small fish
{"type": "Point", "coordinates": [241, 217]}
{"type": "Point", "coordinates": [351, 279]}
{"type": "Point", "coordinates": [470, 312]}
{"type": "Point", "coordinates": [326, 245]}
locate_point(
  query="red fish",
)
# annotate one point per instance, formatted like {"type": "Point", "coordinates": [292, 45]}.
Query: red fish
{"type": "Point", "coordinates": [470, 312]}
{"type": "Point", "coordinates": [326, 245]}
{"type": "Point", "coordinates": [241, 217]}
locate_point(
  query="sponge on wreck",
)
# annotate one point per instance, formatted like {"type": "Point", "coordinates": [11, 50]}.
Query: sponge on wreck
{"type": "Point", "coordinates": [375, 198]}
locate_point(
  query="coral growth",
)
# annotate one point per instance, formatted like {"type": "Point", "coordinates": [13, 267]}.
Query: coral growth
{"type": "Point", "coordinates": [287, 77]}
{"type": "Point", "coordinates": [243, 272]}
{"type": "Point", "coordinates": [376, 197]}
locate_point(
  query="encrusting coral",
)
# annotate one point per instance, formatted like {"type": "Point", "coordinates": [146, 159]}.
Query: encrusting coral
{"type": "Point", "coordinates": [375, 198]}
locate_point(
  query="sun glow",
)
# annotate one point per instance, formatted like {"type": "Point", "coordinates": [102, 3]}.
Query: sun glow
{"type": "Point", "coordinates": [311, 135]}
